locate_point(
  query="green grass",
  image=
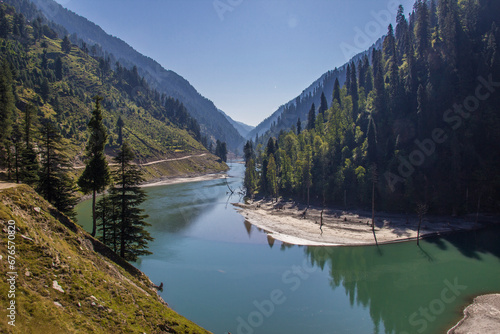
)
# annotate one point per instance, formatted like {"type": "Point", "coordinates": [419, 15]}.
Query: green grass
{"type": "Point", "coordinates": [99, 295]}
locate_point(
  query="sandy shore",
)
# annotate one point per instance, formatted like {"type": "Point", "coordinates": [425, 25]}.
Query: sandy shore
{"type": "Point", "coordinates": [482, 316]}
{"type": "Point", "coordinates": [5, 185]}
{"type": "Point", "coordinates": [285, 222]}
{"type": "Point", "coordinates": [176, 180]}
{"type": "Point", "coordinates": [171, 180]}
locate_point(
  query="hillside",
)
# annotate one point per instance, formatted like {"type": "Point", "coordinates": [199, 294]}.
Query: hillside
{"type": "Point", "coordinates": [213, 124]}
{"type": "Point", "coordinates": [415, 128]}
{"type": "Point", "coordinates": [69, 282]}
{"type": "Point", "coordinates": [59, 82]}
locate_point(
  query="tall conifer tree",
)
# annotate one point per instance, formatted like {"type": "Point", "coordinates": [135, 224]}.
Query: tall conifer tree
{"type": "Point", "coordinates": [95, 177]}
{"type": "Point", "coordinates": [55, 184]}
{"type": "Point", "coordinates": [127, 196]}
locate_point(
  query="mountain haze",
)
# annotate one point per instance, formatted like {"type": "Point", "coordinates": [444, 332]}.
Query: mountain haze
{"type": "Point", "coordinates": [241, 127]}
{"type": "Point", "coordinates": [55, 82]}
{"type": "Point", "coordinates": [213, 124]}
{"type": "Point", "coordinates": [288, 113]}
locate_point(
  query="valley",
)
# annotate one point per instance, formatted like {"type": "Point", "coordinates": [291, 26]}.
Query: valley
{"type": "Point", "coordinates": [134, 198]}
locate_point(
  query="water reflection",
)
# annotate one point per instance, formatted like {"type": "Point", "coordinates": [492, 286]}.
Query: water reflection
{"type": "Point", "coordinates": [188, 203]}
{"type": "Point", "coordinates": [407, 287]}
{"type": "Point", "coordinates": [211, 259]}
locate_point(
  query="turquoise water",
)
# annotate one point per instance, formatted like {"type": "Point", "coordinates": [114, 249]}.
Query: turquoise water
{"type": "Point", "coordinates": [227, 276]}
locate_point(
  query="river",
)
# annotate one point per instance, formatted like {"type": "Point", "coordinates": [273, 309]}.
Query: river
{"type": "Point", "coordinates": [227, 276]}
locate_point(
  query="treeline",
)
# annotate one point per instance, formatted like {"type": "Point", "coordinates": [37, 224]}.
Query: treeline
{"type": "Point", "coordinates": [40, 132]}
{"type": "Point", "coordinates": [418, 123]}
{"type": "Point", "coordinates": [19, 36]}
{"type": "Point", "coordinates": [96, 43]}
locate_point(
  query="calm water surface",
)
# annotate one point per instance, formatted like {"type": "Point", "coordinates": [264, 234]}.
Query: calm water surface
{"type": "Point", "coordinates": [227, 276]}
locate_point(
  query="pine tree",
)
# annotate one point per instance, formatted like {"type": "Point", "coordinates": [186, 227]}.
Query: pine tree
{"type": "Point", "coordinates": [55, 184]}
{"type": "Point", "coordinates": [29, 157]}
{"type": "Point", "coordinates": [336, 91]}
{"type": "Point", "coordinates": [347, 83]}
{"type": "Point", "coordinates": [352, 89]}
{"type": "Point", "coordinates": [271, 147]}
{"type": "Point", "coordinates": [422, 30]}
{"type": "Point", "coordinates": [96, 176]}
{"type": "Point", "coordinates": [221, 150]}
{"type": "Point", "coordinates": [307, 176]}
{"type": "Point", "coordinates": [19, 23]}
{"type": "Point", "coordinates": [272, 178]}
{"type": "Point", "coordinates": [311, 118]}
{"type": "Point", "coordinates": [324, 105]}
{"type": "Point", "coordinates": [299, 126]}
{"type": "Point", "coordinates": [45, 89]}
{"type": "Point", "coordinates": [250, 178]}
{"type": "Point", "coordinates": [401, 35]}
{"type": "Point", "coordinates": [66, 45]}
{"type": "Point", "coordinates": [128, 196]}
{"type": "Point", "coordinates": [107, 222]}
{"type": "Point", "coordinates": [119, 125]}
{"type": "Point", "coordinates": [4, 24]}
{"type": "Point", "coordinates": [248, 152]}
{"type": "Point", "coordinates": [59, 68]}
{"type": "Point", "coordinates": [6, 111]}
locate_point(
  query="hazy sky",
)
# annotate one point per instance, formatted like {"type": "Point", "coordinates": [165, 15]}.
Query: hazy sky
{"type": "Point", "coordinates": [247, 56]}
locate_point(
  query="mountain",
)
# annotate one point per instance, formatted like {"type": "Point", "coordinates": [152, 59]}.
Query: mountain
{"type": "Point", "coordinates": [286, 116]}
{"type": "Point", "coordinates": [213, 124]}
{"type": "Point", "coordinates": [241, 127]}
{"type": "Point", "coordinates": [69, 282]}
{"type": "Point", "coordinates": [58, 81]}
{"type": "Point", "coordinates": [417, 129]}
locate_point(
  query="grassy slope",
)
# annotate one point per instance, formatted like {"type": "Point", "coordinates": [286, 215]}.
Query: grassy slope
{"type": "Point", "coordinates": [197, 165]}
{"type": "Point", "coordinates": [99, 295]}
{"type": "Point", "coordinates": [151, 139]}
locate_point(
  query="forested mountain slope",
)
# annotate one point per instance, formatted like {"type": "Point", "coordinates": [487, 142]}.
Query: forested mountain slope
{"type": "Point", "coordinates": [419, 126]}
{"type": "Point", "coordinates": [288, 114]}
{"type": "Point", "coordinates": [59, 80]}
{"type": "Point", "coordinates": [213, 124]}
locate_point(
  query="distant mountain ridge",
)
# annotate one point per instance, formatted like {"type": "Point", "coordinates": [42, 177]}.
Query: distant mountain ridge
{"type": "Point", "coordinates": [213, 123]}
{"type": "Point", "coordinates": [241, 127]}
{"type": "Point", "coordinates": [289, 112]}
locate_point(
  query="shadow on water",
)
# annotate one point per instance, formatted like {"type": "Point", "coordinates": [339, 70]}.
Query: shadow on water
{"type": "Point", "coordinates": [175, 208]}
{"type": "Point", "coordinates": [399, 282]}
{"type": "Point", "coordinates": [472, 243]}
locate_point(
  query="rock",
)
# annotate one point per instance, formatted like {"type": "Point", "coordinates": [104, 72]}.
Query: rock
{"type": "Point", "coordinates": [58, 304]}
{"type": "Point", "coordinates": [482, 316]}
{"type": "Point", "coordinates": [27, 238]}
{"type": "Point", "coordinates": [94, 298]}
{"type": "Point", "coordinates": [37, 209]}
{"type": "Point", "coordinates": [57, 287]}
{"type": "Point", "coordinates": [27, 273]}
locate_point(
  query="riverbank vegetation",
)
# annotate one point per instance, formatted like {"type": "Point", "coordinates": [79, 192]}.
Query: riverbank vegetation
{"type": "Point", "coordinates": [415, 124]}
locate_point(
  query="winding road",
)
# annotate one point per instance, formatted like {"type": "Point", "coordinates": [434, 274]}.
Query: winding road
{"type": "Point", "coordinates": [158, 161]}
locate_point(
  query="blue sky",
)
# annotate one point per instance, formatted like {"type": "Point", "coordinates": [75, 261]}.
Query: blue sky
{"type": "Point", "coordinates": [247, 56]}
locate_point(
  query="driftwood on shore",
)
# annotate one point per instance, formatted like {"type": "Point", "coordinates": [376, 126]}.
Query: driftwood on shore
{"type": "Point", "coordinates": [341, 227]}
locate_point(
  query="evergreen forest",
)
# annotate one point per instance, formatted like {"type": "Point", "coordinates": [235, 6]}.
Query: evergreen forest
{"type": "Point", "coordinates": [416, 123]}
